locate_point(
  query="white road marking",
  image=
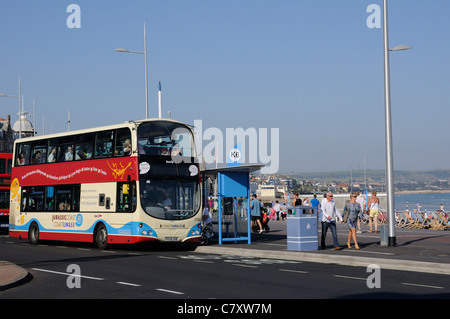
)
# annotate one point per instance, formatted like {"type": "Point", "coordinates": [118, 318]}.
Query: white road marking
{"type": "Point", "coordinates": [248, 266]}
{"type": "Point", "coordinates": [66, 274]}
{"type": "Point", "coordinates": [128, 284]}
{"type": "Point", "coordinates": [203, 261]}
{"type": "Point", "coordinates": [171, 291]}
{"type": "Point", "coordinates": [420, 285]}
{"type": "Point", "coordinates": [297, 271]}
{"type": "Point", "coordinates": [349, 277]}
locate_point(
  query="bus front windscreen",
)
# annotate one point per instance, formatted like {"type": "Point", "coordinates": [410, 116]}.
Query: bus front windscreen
{"type": "Point", "coordinates": [170, 199]}
{"type": "Point", "coordinates": [168, 175]}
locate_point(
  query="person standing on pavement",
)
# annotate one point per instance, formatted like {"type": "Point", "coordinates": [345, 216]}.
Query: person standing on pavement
{"type": "Point", "coordinates": [324, 199]}
{"type": "Point", "coordinates": [298, 201]}
{"type": "Point", "coordinates": [255, 206]}
{"type": "Point", "coordinates": [277, 209]}
{"type": "Point", "coordinates": [315, 203]}
{"type": "Point", "coordinates": [207, 228]}
{"type": "Point", "coordinates": [352, 209]}
{"type": "Point", "coordinates": [329, 215]}
{"type": "Point", "coordinates": [362, 202]}
{"type": "Point", "coordinates": [374, 206]}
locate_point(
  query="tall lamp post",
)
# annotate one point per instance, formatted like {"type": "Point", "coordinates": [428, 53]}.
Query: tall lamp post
{"type": "Point", "coordinates": [20, 108]}
{"type": "Point", "coordinates": [389, 151]}
{"type": "Point", "coordinates": [145, 66]}
{"type": "Point", "coordinates": [351, 179]}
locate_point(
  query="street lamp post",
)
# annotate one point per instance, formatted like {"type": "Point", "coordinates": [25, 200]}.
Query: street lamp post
{"type": "Point", "coordinates": [351, 179]}
{"type": "Point", "coordinates": [389, 149]}
{"type": "Point", "coordinates": [20, 108]}
{"type": "Point", "coordinates": [145, 66]}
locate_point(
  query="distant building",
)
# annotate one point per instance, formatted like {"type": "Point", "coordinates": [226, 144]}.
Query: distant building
{"type": "Point", "coordinates": [343, 187]}
{"type": "Point", "coordinates": [271, 192]}
{"type": "Point", "coordinates": [23, 126]}
{"type": "Point", "coordinates": [6, 135]}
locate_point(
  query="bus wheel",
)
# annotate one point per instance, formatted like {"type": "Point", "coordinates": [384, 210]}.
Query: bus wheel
{"type": "Point", "coordinates": [33, 234]}
{"type": "Point", "coordinates": [101, 237]}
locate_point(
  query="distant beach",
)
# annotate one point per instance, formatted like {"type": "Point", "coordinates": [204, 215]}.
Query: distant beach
{"type": "Point", "coordinates": [427, 200]}
{"type": "Point", "coordinates": [424, 192]}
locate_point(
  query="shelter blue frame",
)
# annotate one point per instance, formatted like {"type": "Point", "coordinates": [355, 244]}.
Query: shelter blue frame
{"type": "Point", "coordinates": [233, 182]}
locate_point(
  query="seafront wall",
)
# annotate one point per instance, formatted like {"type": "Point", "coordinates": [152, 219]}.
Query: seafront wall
{"type": "Point", "coordinates": [341, 199]}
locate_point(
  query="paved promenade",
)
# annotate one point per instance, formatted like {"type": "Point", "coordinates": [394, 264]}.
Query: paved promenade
{"type": "Point", "coordinates": [420, 250]}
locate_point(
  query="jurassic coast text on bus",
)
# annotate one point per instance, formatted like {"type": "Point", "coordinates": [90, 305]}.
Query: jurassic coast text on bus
{"type": "Point", "coordinates": [127, 183]}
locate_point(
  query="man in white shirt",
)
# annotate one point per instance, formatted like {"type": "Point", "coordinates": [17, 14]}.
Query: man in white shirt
{"type": "Point", "coordinates": [362, 202]}
{"type": "Point", "coordinates": [329, 214]}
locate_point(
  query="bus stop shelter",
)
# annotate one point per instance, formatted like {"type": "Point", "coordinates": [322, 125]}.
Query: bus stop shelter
{"type": "Point", "coordinates": [230, 186]}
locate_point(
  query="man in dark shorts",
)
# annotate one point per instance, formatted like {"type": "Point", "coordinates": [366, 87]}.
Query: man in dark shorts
{"type": "Point", "coordinates": [255, 206]}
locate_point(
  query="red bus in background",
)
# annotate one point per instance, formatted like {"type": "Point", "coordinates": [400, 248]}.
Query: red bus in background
{"type": "Point", "coordinates": [5, 184]}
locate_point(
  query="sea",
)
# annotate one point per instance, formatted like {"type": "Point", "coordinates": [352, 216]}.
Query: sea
{"type": "Point", "coordinates": [426, 201]}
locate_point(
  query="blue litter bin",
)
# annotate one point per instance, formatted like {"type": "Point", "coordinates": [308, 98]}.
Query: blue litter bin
{"type": "Point", "coordinates": [302, 228]}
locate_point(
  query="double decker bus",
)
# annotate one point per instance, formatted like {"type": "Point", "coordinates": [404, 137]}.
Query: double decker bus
{"type": "Point", "coordinates": [127, 183]}
{"type": "Point", "coordinates": [5, 183]}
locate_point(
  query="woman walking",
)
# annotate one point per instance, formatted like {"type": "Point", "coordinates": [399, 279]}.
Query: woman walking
{"type": "Point", "coordinates": [351, 211]}
{"type": "Point", "coordinates": [374, 208]}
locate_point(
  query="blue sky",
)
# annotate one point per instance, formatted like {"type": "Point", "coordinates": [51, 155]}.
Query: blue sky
{"type": "Point", "coordinates": [311, 68]}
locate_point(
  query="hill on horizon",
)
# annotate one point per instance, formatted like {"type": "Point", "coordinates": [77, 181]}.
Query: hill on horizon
{"type": "Point", "coordinates": [434, 175]}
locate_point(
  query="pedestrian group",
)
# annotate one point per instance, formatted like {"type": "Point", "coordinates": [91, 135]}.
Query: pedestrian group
{"type": "Point", "coordinates": [328, 215]}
